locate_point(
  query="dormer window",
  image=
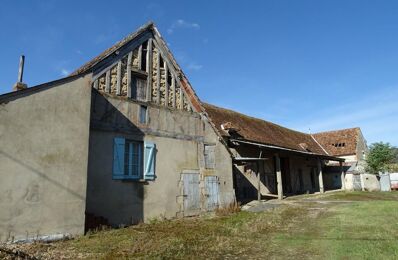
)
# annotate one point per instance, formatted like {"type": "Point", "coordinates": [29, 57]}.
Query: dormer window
{"type": "Point", "coordinates": [338, 144]}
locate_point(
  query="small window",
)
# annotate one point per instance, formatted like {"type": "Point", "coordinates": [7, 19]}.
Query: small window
{"type": "Point", "coordinates": [209, 156]}
{"type": "Point", "coordinates": [127, 159]}
{"type": "Point", "coordinates": [138, 86]}
{"type": "Point", "coordinates": [144, 54]}
{"type": "Point", "coordinates": [133, 160]}
{"type": "Point", "coordinates": [143, 114]}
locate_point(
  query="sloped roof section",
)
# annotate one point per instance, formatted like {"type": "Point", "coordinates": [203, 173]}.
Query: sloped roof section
{"type": "Point", "coordinates": [257, 130]}
{"type": "Point", "coordinates": [148, 27]}
{"type": "Point", "coordinates": [339, 142]}
{"type": "Point", "coordinates": [90, 64]}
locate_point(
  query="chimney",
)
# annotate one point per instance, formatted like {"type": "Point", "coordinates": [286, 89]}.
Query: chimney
{"type": "Point", "coordinates": [20, 85]}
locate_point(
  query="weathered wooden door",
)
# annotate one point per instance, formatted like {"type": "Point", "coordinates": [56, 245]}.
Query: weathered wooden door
{"type": "Point", "coordinates": [191, 193]}
{"type": "Point", "coordinates": [212, 192]}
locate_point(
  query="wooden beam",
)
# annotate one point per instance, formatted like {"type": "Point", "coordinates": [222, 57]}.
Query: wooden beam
{"type": "Point", "coordinates": [158, 76]}
{"type": "Point", "coordinates": [139, 57]}
{"type": "Point", "coordinates": [258, 182]}
{"type": "Point", "coordinates": [166, 93]}
{"type": "Point", "coordinates": [96, 84]}
{"type": "Point", "coordinates": [129, 60]}
{"type": "Point", "coordinates": [320, 177]}
{"type": "Point", "coordinates": [119, 78]}
{"type": "Point", "coordinates": [342, 176]}
{"type": "Point", "coordinates": [165, 55]}
{"type": "Point", "coordinates": [108, 81]}
{"type": "Point", "coordinates": [181, 98]}
{"type": "Point", "coordinates": [173, 90]}
{"type": "Point", "coordinates": [149, 70]}
{"type": "Point", "coordinates": [278, 176]}
{"type": "Point", "coordinates": [112, 60]}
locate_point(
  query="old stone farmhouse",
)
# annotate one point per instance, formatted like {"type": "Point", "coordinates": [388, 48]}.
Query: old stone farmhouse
{"type": "Point", "coordinates": [125, 139]}
{"type": "Point", "coordinates": [350, 145]}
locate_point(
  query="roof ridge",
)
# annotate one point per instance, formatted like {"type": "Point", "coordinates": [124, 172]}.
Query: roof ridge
{"type": "Point", "coordinates": [255, 118]}
{"type": "Point", "coordinates": [98, 58]}
{"type": "Point", "coordinates": [338, 130]}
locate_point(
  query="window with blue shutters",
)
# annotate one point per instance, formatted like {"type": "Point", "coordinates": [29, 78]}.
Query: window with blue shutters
{"type": "Point", "coordinates": [118, 157]}
{"type": "Point", "coordinates": [133, 160]}
{"type": "Point", "coordinates": [149, 161]}
{"type": "Point", "coordinates": [127, 159]}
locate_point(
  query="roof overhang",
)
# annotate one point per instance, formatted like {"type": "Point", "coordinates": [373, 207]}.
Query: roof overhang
{"type": "Point", "coordinates": [278, 148]}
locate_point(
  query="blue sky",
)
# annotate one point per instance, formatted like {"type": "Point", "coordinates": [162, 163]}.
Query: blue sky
{"type": "Point", "coordinates": [318, 65]}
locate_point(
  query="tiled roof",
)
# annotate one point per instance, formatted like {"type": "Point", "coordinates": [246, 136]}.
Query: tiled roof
{"type": "Point", "coordinates": [339, 142]}
{"type": "Point", "coordinates": [257, 130]}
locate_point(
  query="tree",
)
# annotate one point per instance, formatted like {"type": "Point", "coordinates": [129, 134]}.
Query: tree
{"type": "Point", "coordinates": [395, 151]}
{"type": "Point", "coordinates": [381, 156]}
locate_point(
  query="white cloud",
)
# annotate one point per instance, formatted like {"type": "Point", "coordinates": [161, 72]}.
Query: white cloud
{"type": "Point", "coordinates": [65, 72]}
{"type": "Point", "coordinates": [194, 66]}
{"type": "Point", "coordinates": [180, 23]}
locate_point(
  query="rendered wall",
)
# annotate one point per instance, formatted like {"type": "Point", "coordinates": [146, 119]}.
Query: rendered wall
{"type": "Point", "coordinates": [179, 137]}
{"type": "Point", "coordinates": [43, 161]}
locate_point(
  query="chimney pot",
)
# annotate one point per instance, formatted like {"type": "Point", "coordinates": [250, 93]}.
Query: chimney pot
{"type": "Point", "coordinates": [19, 86]}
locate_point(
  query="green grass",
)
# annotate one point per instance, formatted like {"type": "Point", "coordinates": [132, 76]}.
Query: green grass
{"type": "Point", "coordinates": [364, 228]}
{"type": "Point", "coordinates": [359, 230]}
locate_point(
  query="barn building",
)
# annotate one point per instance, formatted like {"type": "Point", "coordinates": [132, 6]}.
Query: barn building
{"type": "Point", "coordinates": [125, 139]}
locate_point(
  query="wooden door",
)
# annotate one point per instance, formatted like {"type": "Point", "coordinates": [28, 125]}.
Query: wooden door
{"type": "Point", "coordinates": [212, 192]}
{"type": "Point", "coordinates": [191, 193]}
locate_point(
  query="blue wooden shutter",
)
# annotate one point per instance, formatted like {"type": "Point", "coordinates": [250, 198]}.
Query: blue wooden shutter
{"type": "Point", "coordinates": [118, 157]}
{"type": "Point", "coordinates": [149, 160]}
{"type": "Point", "coordinates": [135, 163]}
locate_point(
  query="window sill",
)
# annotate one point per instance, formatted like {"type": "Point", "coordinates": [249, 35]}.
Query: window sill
{"type": "Point", "coordinates": [127, 179]}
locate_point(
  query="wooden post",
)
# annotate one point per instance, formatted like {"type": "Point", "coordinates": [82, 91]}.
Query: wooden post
{"type": "Point", "coordinates": [140, 57]}
{"type": "Point", "coordinates": [129, 60]}
{"type": "Point", "coordinates": [278, 176]}
{"type": "Point", "coordinates": [119, 78]}
{"type": "Point", "coordinates": [149, 70]}
{"type": "Point", "coordinates": [173, 90]}
{"type": "Point", "coordinates": [342, 176]}
{"type": "Point", "coordinates": [166, 93]}
{"type": "Point", "coordinates": [158, 77]}
{"type": "Point", "coordinates": [108, 81]}
{"type": "Point", "coordinates": [258, 182]}
{"type": "Point", "coordinates": [181, 99]}
{"type": "Point", "coordinates": [320, 177]}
